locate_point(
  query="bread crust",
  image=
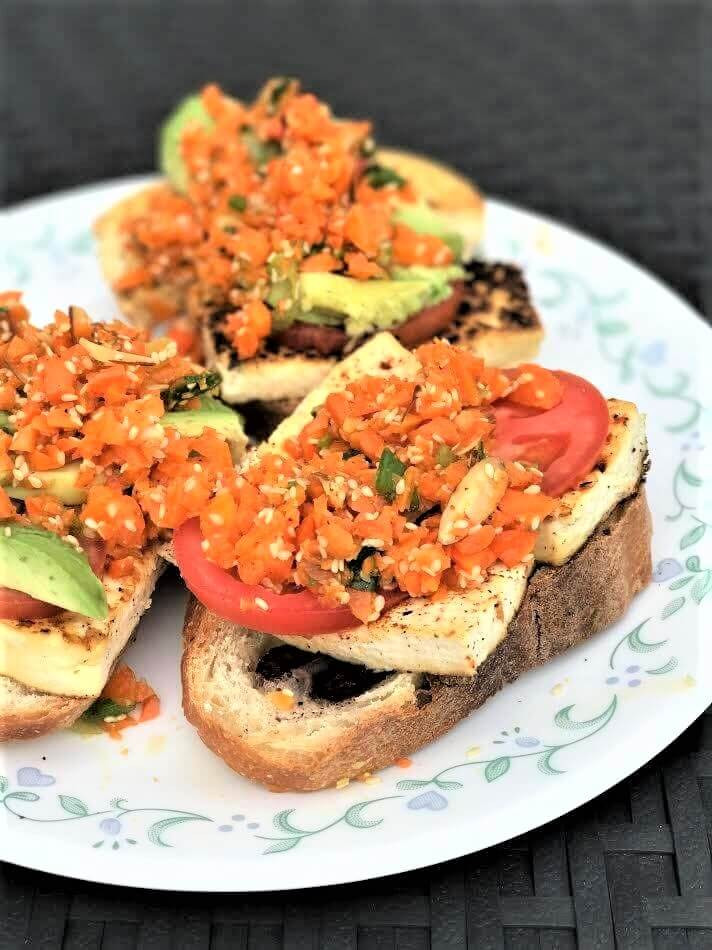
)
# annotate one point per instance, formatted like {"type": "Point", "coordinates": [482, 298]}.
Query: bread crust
{"type": "Point", "coordinates": [563, 606]}
{"type": "Point", "coordinates": [26, 713]}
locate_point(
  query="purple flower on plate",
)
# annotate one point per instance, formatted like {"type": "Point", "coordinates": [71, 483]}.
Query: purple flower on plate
{"type": "Point", "coordinates": [110, 826]}
{"type": "Point", "coordinates": [526, 742]}
{"type": "Point", "coordinates": [432, 801]}
{"type": "Point", "coordinates": [31, 777]}
{"type": "Point", "coordinates": [653, 354]}
{"type": "Point", "coordinates": [666, 570]}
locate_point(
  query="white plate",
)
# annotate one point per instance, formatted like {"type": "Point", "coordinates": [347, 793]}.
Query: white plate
{"type": "Point", "coordinates": [159, 810]}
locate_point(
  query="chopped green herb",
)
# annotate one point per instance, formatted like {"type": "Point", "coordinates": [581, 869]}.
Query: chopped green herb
{"type": "Point", "coordinates": [358, 581]}
{"type": "Point", "coordinates": [350, 453]}
{"type": "Point", "coordinates": [390, 470]}
{"type": "Point", "coordinates": [186, 388]}
{"type": "Point", "coordinates": [99, 710]}
{"type": "Point", "coordinates": [260, 152]}
{"type": "Point", "coordinates": [325, 441]}
{"type": "Point", "coordinates": [476, 454]}
{"type": "Point", "coordinates": [5, 423]}
{"type": "Point", "coordinates": [378, 176]}
{"type": "Point", "coordinates": [237, 202]}
{"type": "Point", "coordinates": [278, 87]}
{"type": "Point", "coordinates": [414, 505]}
{"type": "Point", "coordinates": [444, 456]}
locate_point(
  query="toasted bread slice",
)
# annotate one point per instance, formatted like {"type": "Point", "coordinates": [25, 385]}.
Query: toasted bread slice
{"type": "Point", "coordinates": [52, 670]}
{"type": "Point", "coordinates": [316, 743]}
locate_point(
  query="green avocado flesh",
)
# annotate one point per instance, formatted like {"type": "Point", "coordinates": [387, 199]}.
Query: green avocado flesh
{"type": "Point", "coordinates": [440, 279]}
{"type": "Point", "coordinates": [41, 564]}
{"type": "Point", "coordinates": [170, 159]}
{"type": "Point", "coordinates": [425, 220]}
{"type": "Point", "coordinates": [367, 305]}
{"type": "Point", "coordinates": [211, 414]}
{"type": "Point", "coordinates": [59, 482]}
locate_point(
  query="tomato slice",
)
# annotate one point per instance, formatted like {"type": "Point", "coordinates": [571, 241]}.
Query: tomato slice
{"type": "Point", "coordinates": [14, 605]}
{"type": "Point", "coordinates": [565, 442]}
{"type": "Point", "coordinates": [300, 614]}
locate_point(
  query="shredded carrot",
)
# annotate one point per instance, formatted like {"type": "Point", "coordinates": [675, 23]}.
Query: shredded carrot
{"type": "Point", "coordinates": [274, 187]}
{"type": "Point", "coordinates": [71, 405]}
{"type": "Point", "coordinates": [358, 493]}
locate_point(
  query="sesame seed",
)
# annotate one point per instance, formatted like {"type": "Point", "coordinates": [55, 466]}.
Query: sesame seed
{"type": "Point", "coordinates": [35, 481]}
{"type": "Point", "coordinates": [205, 545]}
{"type": "Point", "coordinates": [261, 603]}
{"type": "Point", "coordinates": [8, 531]}
{"type": "Point", "coordinates": [342, 783]}
{"type": "Point", "coordinates": [535, 523]}
{"type": "Point", "coordinates": [532, 490]}
{"type": "Point", "coordinates": [489, 470]}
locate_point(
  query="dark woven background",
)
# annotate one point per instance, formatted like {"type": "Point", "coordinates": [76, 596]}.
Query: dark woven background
{"type": "Point", "coordinates": [597, 113]}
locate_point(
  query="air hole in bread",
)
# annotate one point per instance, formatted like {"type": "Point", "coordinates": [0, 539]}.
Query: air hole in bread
{"type": "Point", "coordinates": [314, 675]}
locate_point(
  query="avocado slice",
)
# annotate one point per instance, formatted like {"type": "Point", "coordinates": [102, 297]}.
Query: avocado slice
{"type": "Point", "coordinates": [440, 279]}
{"type": "Point", "coordinates": [44, 566]}
{"type": "Point", "coordinates": [170, 158]}
{"type": "Point", "coordinates": [367, 305]}
{"type": "Point", "coordinates": [210, 414]}
{"type": "Point", "coordinates": [60, 482]}
{"type": "Point", "coordinates": [426, 220]}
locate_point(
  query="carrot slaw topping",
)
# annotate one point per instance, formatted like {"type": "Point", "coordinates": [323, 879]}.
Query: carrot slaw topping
{"type": "Point", "coordinates": [89, 396]}
{"type": "Point", "coordinates": [273, 188]}
{"type": "Point", "coordinates": [371, 495]}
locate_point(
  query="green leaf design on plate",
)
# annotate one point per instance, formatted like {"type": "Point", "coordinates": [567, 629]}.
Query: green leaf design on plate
{"type": "Point", "coordinates": [680, 582]}
{"type": "Point", "coordinates": [564, 720]}
{"type": "Point", "coordinates": [23, 796]}
{"type": "Point", "coordinates": [354, 817]}
{"type": "Point", "coordinates": [410, 784]}
{"type": "Point", "coordinates": [693, 563]}
{"type": "Point", "coordinates": [672, 607]}
{"type": "Point", "coordinates": [3, 784]}
{"type": "Point", "coordinates": [702, 587]}
{"type": "Point", "coordinates": [692, 537]}
{"type": "Point", "coordinates": [638, 645]}
{"type": "Point", "coordinates": [665, 668]}
{"type": "Point", "coordinates": [694, 480]}
{"type": "Point", "coordinates": [611, 327]}
{"type": "Point", "coordinates": [284, 844]}
{"type": "Point", "coordinates": [281, 822]}
{"type": "Point", "coordinates": [544, 764]}
{"type": "Point", "coordinates": [497, 768]}
{"type": "Point", "coordinates": [447, 786]}
{"type": "Point", "coordinates": [155, 832]}
{"type": "Point", "coordinates": [75, 806]}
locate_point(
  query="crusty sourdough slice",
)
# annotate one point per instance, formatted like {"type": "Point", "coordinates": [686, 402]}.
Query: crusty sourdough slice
{"type": "Point", "coordinates": [316, 743]}
{"type": "Point", "coordinates": [52, 670]}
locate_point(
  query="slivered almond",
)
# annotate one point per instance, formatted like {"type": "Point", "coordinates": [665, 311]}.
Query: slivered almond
{"type": "Point", "coordinates": [474, 499]}
{"type": "Point", "coordinates": [105, 354]}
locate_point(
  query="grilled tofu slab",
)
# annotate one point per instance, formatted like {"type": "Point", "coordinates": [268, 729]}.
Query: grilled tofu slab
{"type": "Point", "coordinates": [71, 655]}
{"type": "Point", "coordinates": [456, 635]}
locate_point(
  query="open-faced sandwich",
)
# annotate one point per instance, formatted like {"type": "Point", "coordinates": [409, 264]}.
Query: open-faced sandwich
{"type": "Point", "coordinates": [423, 529]}
{"type": "Point", "coordinates": [108, 441]}
{"type": "Point", "coordinates": [284, 238]}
